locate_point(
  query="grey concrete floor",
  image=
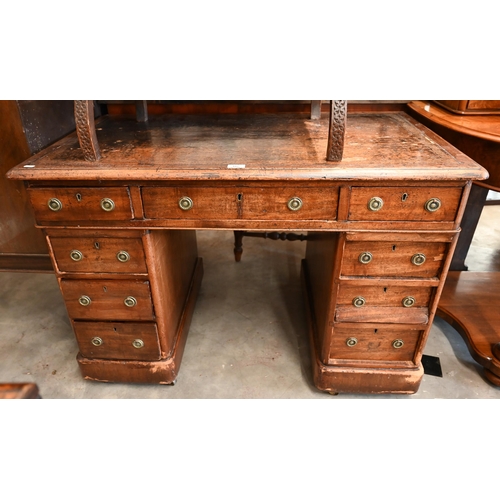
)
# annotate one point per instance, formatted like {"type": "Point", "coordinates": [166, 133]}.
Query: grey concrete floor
{"type": "Point", "coordinates": [248, 335]}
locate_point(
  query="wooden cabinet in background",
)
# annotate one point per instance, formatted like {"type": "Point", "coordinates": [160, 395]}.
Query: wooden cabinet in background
{"type": "Point", "coordinates": [26, 127]}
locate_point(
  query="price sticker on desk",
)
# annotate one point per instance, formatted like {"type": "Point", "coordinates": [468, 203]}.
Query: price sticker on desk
{"type": "Point", "coordinates": [235, 165]}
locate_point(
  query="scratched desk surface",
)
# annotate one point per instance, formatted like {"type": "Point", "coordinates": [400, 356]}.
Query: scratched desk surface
{"type": "Point", "coordinates": [274, 147]}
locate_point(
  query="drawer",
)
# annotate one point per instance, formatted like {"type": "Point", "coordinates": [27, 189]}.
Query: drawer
{"type": "Point", "coordinates": [429, 204]}
{"type": "Point", "coordinates": [108, 299]}
{"type": "Point", "coordinates": [131, 341]}
{"type": "Point", "coordinates": [406, 259]}
{"type": "Point", "coordinates": [287, 203]}
{"type": "Point", "coordinates": [99, 255]}
{"type": "Point", "coordinates": [383, 304]}
{"type": "Point", "coordinates": [81, 204]}
{"type": "Point", "coordinates": [385, 342]}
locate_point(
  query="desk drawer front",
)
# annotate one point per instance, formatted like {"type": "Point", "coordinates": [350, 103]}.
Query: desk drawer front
{"type": "Point", "coordinates": [383, 304]}
{"type": "Point", "coordinates": [429, 204]}
{"type": "Point", "coordinates": [133, 341]}
{"type": "Point", "coordinates": [108, 300]}
{"type": "Point", "coordinates": [81, 204]}
{"type": "Point", "coordinates": [384, 296]}
{"type": "Point", "coordinates": [99, 255]}
{"type": "Point", "coordinates": [300, 203]}
{"type": "Point", "coordinates": [394, 258]}
{"type": "Point", "coordinates": [382, 342]}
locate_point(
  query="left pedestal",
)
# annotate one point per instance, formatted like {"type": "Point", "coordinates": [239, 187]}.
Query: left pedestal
{"type": "Point", "coordinates": [130, 296]}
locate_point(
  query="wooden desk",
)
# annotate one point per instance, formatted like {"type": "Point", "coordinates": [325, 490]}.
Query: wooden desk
{"type": "Point", "coordinates": [470, 300]}
{"type": "Point", "coordinates": [382, 226]}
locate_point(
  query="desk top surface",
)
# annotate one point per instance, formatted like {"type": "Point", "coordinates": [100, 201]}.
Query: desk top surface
{"type": "Point", "coordinates": [389, 146]}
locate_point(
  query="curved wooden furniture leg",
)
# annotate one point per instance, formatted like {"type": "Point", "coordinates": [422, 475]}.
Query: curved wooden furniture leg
{"type": "Point", "coordinates": [238, 244]}
{"type": "Point", "coordinates": [85, 128]}
{"type": "Point", "coordinates": [336, 133]}
{"type": "Point", "coordinates": [469, 303]}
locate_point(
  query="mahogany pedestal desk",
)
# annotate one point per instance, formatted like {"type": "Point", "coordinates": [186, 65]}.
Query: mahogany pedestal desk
{"type": "Point", "coordinates": [382, 226]}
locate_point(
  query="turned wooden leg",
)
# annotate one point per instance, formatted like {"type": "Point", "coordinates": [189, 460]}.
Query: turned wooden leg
{"type": "Point", "coordinates": [238, 245]}
{"type": "Point", "coordinates": [85, 128]}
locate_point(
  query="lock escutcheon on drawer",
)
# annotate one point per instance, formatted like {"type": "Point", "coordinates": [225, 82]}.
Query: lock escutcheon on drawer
{"type": "Point", "coordinates": [404, 259]}
{"type": "Point", "coordinates": [94, 255]}
{"type": "Point", "coordinates": [81, 204]}
{"type": "Point", "coordinates": [245, 202]}
{"type": "Point", "coordinates": [404, 204]}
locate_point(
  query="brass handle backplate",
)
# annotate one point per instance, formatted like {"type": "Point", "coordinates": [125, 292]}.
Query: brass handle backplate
{"type": "Point", "coordinates": [97, 341]}
{"type": "Point", "coordinates": [138, 343]}
{"type": "Point", "coordinates": [358, 301]}
{"type": "Point", "coordinates": [76, 255]}
{"type": "Point", "coordinates": [409, 301]}
{"type": "Point", "coordinates": [85, 300]}
{"type": "Point", "coordinates": [186, 203]}
{"type": "Point", "coordinates": [433, 204]}
{"type": "Point", "coordinates": [398, 343]}
{"type": "Point", "coordinates": [351, 341]}
{"type": "Point", "coordinates": [365, 257]}
{"type": "Point", "coordinates": [130, 301]}
{"type": "Point", "coordinates": [123, 256]}
{"type": "Point", "coordinates": [375, 204]}
{"type": "Point", "coordinates": [54, 204]}
{"type": "Point", "coordinates": [418, 259]}
{"type": "Point", "coordinates": [107, 204]}
{"type": "Point", "coordinates": [294, 203]}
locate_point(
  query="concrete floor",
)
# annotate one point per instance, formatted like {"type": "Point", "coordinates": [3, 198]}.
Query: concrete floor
{"type": "Point", "coordinates": [247, 338]}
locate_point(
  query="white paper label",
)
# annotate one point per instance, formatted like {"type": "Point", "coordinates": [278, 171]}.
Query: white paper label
{"type": "Point", "coordinates": [233, 165]}
{"type": "Point", "coordinates": [29, 166]}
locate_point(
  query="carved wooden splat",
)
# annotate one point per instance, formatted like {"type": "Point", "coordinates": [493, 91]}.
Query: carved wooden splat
{"type": "Point", "coordinates": [85, 128]}
{"type": "Point", "coordinates": [336, 133]}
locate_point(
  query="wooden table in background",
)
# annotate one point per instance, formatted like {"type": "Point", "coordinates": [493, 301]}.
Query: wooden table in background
{"type": "Point", "coordinates": [470, 300]}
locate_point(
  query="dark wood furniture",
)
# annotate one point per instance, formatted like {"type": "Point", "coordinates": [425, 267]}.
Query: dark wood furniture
{"type": "Point", "coordinates": [470, 299]}
{"type": "Point", "coordinates": [382, 226]}
{"type": "Point", "coordinates": [26, 127]}
{"type": "Point", "coordinates": [471, 107]}
{"type": "Point", "coordinates": [19, 391]}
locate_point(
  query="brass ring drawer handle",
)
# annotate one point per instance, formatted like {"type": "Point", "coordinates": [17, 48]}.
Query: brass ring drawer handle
{"type": "Point", "coordinates": [351, 341]}
{"type": "Point", "coordinates": [54, 204]}
{"type": "Point", "coordinates": [365, 257]}
{"type": "Point", "coordinates": [433, 204]}
{"type": "Point", "coordinates": [409, 301]}
{"type": "Point", "coordinates": [397, 344]}
{"type": "Point", "coordinates": [97, 341]}
{"type": "Point", "coordinates": [138, 343]}
{"type": "Point", "coordinates": [85, 300]}
{"type": "Point", "coordinates": [358, 301]}
{"type": "Point", "coordinates": [418, 259]}
{"type": "Point", "coordinates": [186, 203]}
{"type": "Point", "coordinates": [123, 256]}
{"type": "Point", "coordinates": [76, 255]}
{"type": "Point", "coordinates": [375, 204]}
{"type": "Point", "coordinates": [294, 204]}
{"type": "Point", "coordinates": [107, 204]}
{"type": "Point", "coordinates": [130, 301]}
